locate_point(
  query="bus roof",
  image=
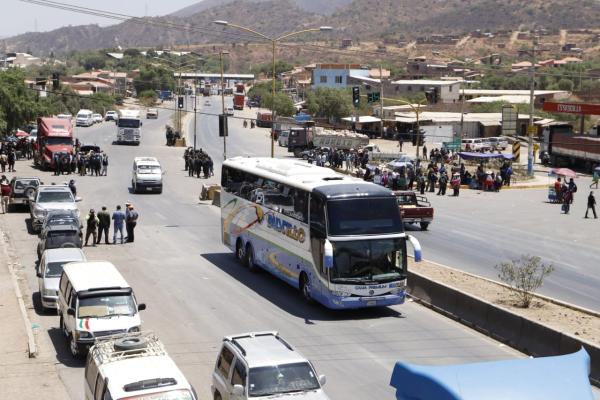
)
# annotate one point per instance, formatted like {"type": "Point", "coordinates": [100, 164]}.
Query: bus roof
{"type": "Point", "coordinates": [294, 173]}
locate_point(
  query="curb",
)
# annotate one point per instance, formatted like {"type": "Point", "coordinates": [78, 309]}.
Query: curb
{"type": "Point", "coordinates": [31, 345]}
{"type": "Point", "coordinates": [522, 334]}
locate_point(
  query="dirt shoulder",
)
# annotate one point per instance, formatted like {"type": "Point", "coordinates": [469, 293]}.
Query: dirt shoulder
{"type": "Point", "coordinates": [577, 322]}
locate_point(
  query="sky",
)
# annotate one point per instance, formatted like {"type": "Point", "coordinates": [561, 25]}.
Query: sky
{"type": "Point", "coordinates": [19, 17]}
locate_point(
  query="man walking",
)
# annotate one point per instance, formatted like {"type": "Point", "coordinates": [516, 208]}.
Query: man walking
{"type": "Point", "coordinates": [118, 217]}
{"type": "Point", "coordinates": [104, 225]}
{"type": "Point", "coordinates": [104, 165]}
{"type": "Point", "coordinates": [91, 228]}
{"type": "Point", "coordinates": [591, 204]}
{"type": "Point", "coordinates": [131, 217]}
{"type": "Point", "coordinates": [5, 190]}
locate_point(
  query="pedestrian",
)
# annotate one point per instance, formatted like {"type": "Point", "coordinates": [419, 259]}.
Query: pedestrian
{"type": "Point", "coordinates": [103, 225]}
{"type": "Point", "coordinates": [591, 204]}
{"type": "Point", "coordinates": [567, 201]}
{"type": "Point", "coordinates": [424, 152]}
{"type": "Point", "coordinates": [594, 178]}
{"type": "Point", "coordinates": [11, 160]}
{"type": "Point", "coordinates": [104, 165]}
{"type": "Point", "coordinates": [118, 217]}
{"type": "Point", "coordinates": [3, 161]}
{"type": "Point", "coordinates": [91, 228]}
{"type": "Point", "coordinates": [443, 183]}
{"type": "Point", "coordinates": [5, 191]}
{"type": "Point", "coordinates": [455, 183]}
{"type": "Point", "coordinates": [131, 217]}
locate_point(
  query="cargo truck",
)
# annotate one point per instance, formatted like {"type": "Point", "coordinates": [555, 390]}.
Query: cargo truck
{"type": "Point", "coordinates": [310, 137]}
{"type": "Point", "coordinates": [238, 101]}
{"type": "Point", "coordinates": [55, 136]}
{"type": "Point", "coordinates": [129, 127]}
{"type": "Point", "coordinates": [561, 147]}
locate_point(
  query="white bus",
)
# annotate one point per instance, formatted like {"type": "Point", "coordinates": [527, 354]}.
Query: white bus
{"type": "Point", "coordinates": [129, 127]}
{"type": "Point", "coordinates": [339, 240]}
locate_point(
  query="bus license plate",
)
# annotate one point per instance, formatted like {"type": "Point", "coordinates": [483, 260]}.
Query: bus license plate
{"type": "Point", "coordinates": [371, 303]}
{"type": "Point", "coordinates": [149, 189]}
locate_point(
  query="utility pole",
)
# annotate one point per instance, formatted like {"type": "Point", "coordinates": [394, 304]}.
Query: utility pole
{"type": "Point", "coordinates": [531, 127]}
{"type": "Point", "coordinates": [381, 100]}
{"type": "Point", "coordinates": [223, 106]}
{"type": "Point", "coordinates": [195, 112]}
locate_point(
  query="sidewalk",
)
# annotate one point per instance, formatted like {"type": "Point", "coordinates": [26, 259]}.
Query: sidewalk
{"type": "Point", "coordinates": [21, 377]}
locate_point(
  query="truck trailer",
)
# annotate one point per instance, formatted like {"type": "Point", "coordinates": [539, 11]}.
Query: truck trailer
{"type": "Point", "coordinates": [564, 148]}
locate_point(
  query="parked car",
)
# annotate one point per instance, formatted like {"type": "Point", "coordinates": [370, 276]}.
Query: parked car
{"type": "Point", "coordinates": [229, 111]}
{"type": "Point", "coordinates": [282, 140]}
{"type": "Point", "coordinates": [111, 116]}
{"type": "Point", "coordinates": [60, 236]}
{"type": "Point", "coordinates": [86, 148]}
{"type": "Point", "coordinates": [61, 218]}
{"type": "Point", "coordinates": [497, 143]}
{"type": "Point", "coordinates": [263, 365]}
{"type": "Point", "coordinates": [475, 145]}
{"type": "Point", "coordinates": [151, 113]}
{"type": "Point", "coordinates": [49, 270]}
{"type": "Point", "coordinates": [84, 118]}
{"type": "Point", "coordinates": [65, 116]}
{"type": "Point", "coordinates": [48, 198]}
{"type": "Point", "coordinates": [21, 190]}
{"type": "Point", "coordinates": [414, 209]}
{"type": "Point", "coordinates": [97, 118]}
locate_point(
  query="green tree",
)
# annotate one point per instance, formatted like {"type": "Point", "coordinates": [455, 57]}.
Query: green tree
{"type": "Point", "coordinates": [148, 97]}
{"type": "Point", "coordinates": [154, 78]}
{"type": "Point", "coordinates": [565, 84]}
{"type": "Point", "coordinates": [329, 103]}
{"type": "Point", "coordinates": [267, 68]}
{"type": "Point", "coordinates": [18, 104]}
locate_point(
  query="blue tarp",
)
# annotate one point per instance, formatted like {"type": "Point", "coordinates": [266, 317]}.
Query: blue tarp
{"type": "Point", "coordinates": [544, 378]}
{"type": "Point", "coordinates": [302, 117]}
{"type": "Point", "coordinates": [483, 156]}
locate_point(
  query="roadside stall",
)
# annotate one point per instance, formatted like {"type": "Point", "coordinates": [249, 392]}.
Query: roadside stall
{"type": "Point", "coordinates": [555, 196]}
{"type": "Point", "coordinates": [543, 378]}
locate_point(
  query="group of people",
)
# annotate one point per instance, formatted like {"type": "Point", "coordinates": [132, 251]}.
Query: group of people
{"type": "Point", "coordinates": [171, 135]}
{"type": "Point", "coordinates": [8, 156]}
{"type": "Point", "coordinates": [350, 160]}
{"type": "Point", "coordinates": [198, 162]}
{"type": "Point", "coordinates": [98, 224]}
{"type": "Point", "coordinates": [90, 163]}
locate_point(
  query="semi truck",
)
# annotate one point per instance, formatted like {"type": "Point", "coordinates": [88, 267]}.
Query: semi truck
{"type": "Point", "coordinates": [561, 147]}
{"type": "Point", "coordinates": [264, 119]}
{"type": "Point", "coordinates": [55, 136]}
{"type": "Point", "coordinates": [129, 127]}
{"type": "Point", "coordinates": [310, 137]}
{"type": "Point", "coordinates": [238, 101]}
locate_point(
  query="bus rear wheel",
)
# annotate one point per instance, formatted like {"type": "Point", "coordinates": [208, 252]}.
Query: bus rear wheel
{"type": "Point", "coordinates": [305, 287]}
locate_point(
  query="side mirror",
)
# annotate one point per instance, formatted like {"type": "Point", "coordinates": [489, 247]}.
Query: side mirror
{"type": "Point", "coordinates": [71, 312]}
{"type": "Point", "coordinates": [327, 254]}
{"type": "Point", "coordinates": [141, 123]}
{"type": "Point", "coordinates": [416, 247]}
{"type": "Point", "coordinates": [77, 199]}
{"type": "Point", "coordinates": [322, 380]}
{"type": "Point", "coordinates": [238, 390]}
{"type": "Point", "coordinates": [141, 307]}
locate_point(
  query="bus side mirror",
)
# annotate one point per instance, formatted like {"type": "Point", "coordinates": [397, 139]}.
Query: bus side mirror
{"type": "Point", "coordinates": [327, 254]}
{"type": "Point", "coordinates": [238, 390]}
{"type": "Point", "coordinates": [416, 247]}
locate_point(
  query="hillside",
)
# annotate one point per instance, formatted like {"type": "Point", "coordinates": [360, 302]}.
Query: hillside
{"type": "Point", "coordinates": [364, 19]}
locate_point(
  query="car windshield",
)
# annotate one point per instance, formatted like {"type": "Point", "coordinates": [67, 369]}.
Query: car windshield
{"type": "Point", "coordinates": [106, 306]}
{"type": "Point", "coordinates": [67, 141]}
{"type": "Point", "coordinates": [368, 261]}
{"type": "Point", "coordinates": [183, 394]}
{"type": "Point", "coordinates": [364, 216]}
{"type": "Point", "coordinates": [287, 378]}
{"type": "Point", "coordinates": [148, 169]}
{"type": "Point", "coordinates": [129, 123]}
{"type": "Point", "coordinates": [23, 183]}
{"type": "Point", "coordinates": [54, 269]}
{"type": "Point", "coordinates": [55, 197]}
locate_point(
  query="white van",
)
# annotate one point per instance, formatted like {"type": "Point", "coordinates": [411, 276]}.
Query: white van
{"type": "Point", "coordinates": [134, 366]}
{"type": "Point", "coordinates": [84, 118]}
{"type": "Point", "coordinates": [283, 138]}
{"type": "Point", "coordinates": [95, 301]}
{"type": "Point", "coordinates": [146, 175]}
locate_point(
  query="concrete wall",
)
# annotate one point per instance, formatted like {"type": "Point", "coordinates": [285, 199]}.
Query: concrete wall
{"type": "Point", "coordinates": [331, 74]}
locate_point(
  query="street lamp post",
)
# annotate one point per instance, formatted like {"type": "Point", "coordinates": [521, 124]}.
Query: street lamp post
{"type": "Point", "coordinates": [221, 53]}
{"type": "Point", "coordinates": [273, 41]}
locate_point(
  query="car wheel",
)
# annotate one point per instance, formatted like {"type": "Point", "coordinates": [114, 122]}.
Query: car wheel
{"type": "Point", "coordinates": [74, 347]}
{"type": "Point", "coordinates": [424, 225]}
{"type": "Point", "coordinates": [134, 187]}
{"type": "Point", "coordinates": [250, 258]}
{"type": "Point", "coordinates": [63, 328]}
{"type": "Point", "coordinates": [239, 250]}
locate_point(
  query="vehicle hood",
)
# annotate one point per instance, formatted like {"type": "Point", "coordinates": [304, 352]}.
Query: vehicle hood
{"type": "Point", "coordinates": [51, 283]}
{"type": "Point", "coordinates": [311, 395]}
{"type": "Point", "coordinates": [55, 206]}
{"type": "Point", "coordinates": [108, 324]}
{"type": "Point", "coordinates": [58, 148]}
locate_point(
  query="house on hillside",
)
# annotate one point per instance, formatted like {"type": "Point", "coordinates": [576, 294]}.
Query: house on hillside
{"type": "Point", "coordinates": [21, 60]}
{"type": "Point", "coordinates": [437, 91]}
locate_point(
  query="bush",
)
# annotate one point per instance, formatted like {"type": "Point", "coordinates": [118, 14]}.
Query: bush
{"type": "Point", "coordinates": [148, 97]}
{"type": "Point", "coordinates": [524, 276]}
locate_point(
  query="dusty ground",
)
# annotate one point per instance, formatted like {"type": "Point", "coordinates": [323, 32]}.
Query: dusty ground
{"type": "Point", "coordinates": [564, 319]}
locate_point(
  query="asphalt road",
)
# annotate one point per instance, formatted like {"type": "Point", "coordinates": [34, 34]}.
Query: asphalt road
{"type": "Point", "coordinates": [196, 292]}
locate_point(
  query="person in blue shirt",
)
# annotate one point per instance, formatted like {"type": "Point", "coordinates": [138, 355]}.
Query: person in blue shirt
{"type": "Point", "coordinates": [118, 218]}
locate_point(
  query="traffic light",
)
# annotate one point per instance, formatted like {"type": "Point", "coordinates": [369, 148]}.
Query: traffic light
{"type": "Point", "coordinates": [223, 128]}
{"type": "Point", "coordinates": [356, 96]}
{"type": "Point", "coordinates": [180, 102]}
{"type": "Point", "coordinates": [55, 81]}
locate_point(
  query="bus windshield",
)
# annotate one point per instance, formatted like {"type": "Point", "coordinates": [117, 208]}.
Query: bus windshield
{"type": "Point", "coordinates": [364, 216]}
{"type": "Point", "coordinates": [128, 123]}
{"type": "Point", "coordinates": [368, 261]}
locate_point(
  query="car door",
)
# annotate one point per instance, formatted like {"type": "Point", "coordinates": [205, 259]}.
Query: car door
{"type": "Point", "coordinates": [222, 373]}
{"type": "Point", "coordinates": [239, 374]}
{"type": "Point", "coordinates": [41, 270]}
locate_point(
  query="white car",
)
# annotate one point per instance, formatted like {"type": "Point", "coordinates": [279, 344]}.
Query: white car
{"type": "Point", "coordinates": [262, 365]}
{"type": "Point", "coordinates": [47, 198]}
{"type": "Point", "coordinates": [97, 118]}
{"type": "Point", "coordinates": [49, 270]}
{"type": "Point", "coordinates": [64, 116]}
{"type": "Point", "coordinates": [207, 103]}
{"type": "Point", "coordinates": [84, 118]}
{"type": "Point", "coordinates": [111, 116]}
{"type": "Point", "coordinates": [146, 175]}
{"type": "Point", "coordinates": [229, 111]}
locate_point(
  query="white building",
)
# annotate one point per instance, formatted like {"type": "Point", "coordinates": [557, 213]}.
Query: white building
{"type": "Point", "coordinates": [443, 90]}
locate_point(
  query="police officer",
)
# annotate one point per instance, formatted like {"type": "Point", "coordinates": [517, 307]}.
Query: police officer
{"type": "Point", "coordinates": [91, 228]}
{"type": "Point", "coordinates": [103, 225]}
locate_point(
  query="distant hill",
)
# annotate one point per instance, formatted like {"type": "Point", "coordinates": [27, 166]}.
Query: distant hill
{"type": "Point", "coordinates": [364, 19]}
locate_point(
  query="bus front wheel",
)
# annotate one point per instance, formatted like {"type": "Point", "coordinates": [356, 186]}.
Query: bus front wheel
{"type": "Point", "coordinates": [305, 287]}
{"type": "Point", "coordinates": [239, 250]}
{"type": "Point", "coordinates": [249, 259]}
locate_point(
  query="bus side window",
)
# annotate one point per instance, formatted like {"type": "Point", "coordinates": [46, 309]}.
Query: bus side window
{"type": "Point", "coordinates": [317, 217]}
